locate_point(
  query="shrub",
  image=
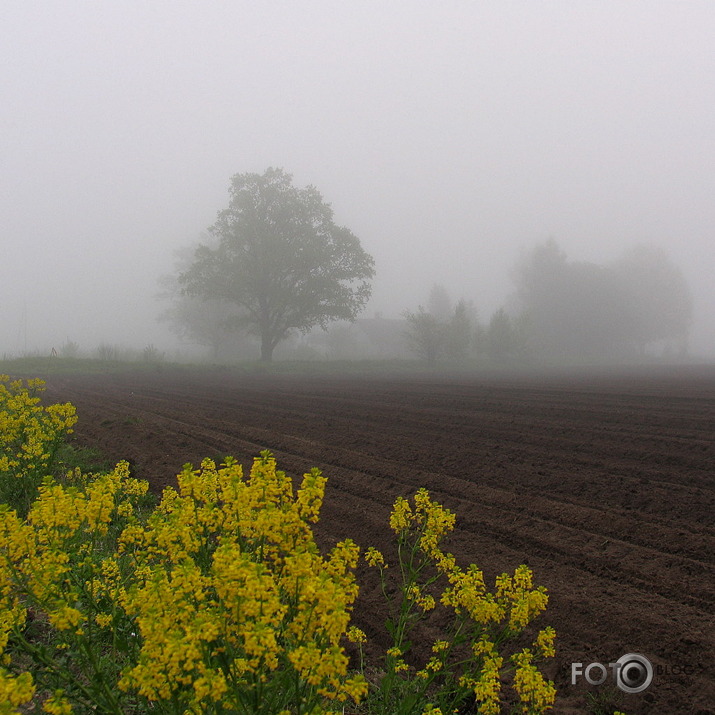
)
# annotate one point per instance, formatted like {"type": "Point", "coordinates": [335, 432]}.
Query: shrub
{"type": "Point", "coordinates": [152, 354]}
{"type": "Point", "coordinates": [69, 349]}
{"type": "Point", "coordinates": [107, 352]}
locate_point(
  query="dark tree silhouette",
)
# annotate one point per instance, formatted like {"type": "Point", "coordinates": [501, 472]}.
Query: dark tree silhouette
{"type": "Point", "coordinates": [281, 260]}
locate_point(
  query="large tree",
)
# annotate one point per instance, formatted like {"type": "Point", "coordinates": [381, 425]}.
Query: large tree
{"type": "Point", "coordinates": [281, 260]}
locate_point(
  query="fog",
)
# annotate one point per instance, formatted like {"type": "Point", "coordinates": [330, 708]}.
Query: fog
{"type": "Point", "coordinates": [450, 137]}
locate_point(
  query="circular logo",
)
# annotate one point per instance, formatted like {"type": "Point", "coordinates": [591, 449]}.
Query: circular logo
{"type": "Point", "coordinates": [634, 673]}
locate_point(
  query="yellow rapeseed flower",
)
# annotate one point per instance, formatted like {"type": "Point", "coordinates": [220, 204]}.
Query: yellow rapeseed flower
{"type": "Point", "coordinates": [355, 635]}
{"type": "Point", "coordinates": [103, 619]}
{"type": "Point", "coordinates": [374, 558]}
{"type": "Point", "coordinates": [488, 687]}
{"type": "Point", "coordinates": [536, 694]}
{"type": "Point", "coordinates": [15, 691]}
{"type": "Point", "coordinates": [401, 516]}
{"type": "Point", "coordinates": [545, 642]}
{"type": "Point", "coordinates": [228, 564]}
{"type": "Point", "coordinates": [57, 704]}
{"type": "Point", "coordinates": [65, 618]}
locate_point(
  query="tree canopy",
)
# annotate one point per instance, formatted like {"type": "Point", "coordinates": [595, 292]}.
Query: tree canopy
{"type": "Point", "coordinates": [441, 331]}
{"type": "Point", "coordinates": [581, 309]}
{"type": "Point", "coordinates": [659, 299]}
{"type": "Point", "coordinates": [280, 260]}
{"type": "Point", "coordinates": [201, 321]}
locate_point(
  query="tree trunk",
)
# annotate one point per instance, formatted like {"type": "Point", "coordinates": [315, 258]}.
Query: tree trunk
{"type": "Point", "coordinates": [266, 348]}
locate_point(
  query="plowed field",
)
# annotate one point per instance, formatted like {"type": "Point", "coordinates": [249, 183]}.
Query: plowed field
{"type": "Point", "coordinates": [603, 484]}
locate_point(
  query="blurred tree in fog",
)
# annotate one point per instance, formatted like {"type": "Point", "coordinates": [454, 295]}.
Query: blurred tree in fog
{"type": "Point", "coordinates": [425, 335]}
{"type": "Point", "coordinates": [439, 303]}
{"type": "Point", "coordinates": [659, 301]}
{"type": "Point", "coordinates": [441, 331]}
{"type": "Point", "coordinates": [280, 260]}
{"type": "Point", "coordinates": [584, 310]}
{"type": "Point", "coordinates": [69, 349]}
{"type": "Point", "coordinates": [203, 322]}
{"type": "Point", "coordinates": [501, 336]}
{"type": "Point", "coordinates": [460, 331]}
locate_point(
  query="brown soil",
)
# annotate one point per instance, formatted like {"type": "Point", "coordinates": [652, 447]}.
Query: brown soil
{"type": "Point", "coordinates": [603, 484]}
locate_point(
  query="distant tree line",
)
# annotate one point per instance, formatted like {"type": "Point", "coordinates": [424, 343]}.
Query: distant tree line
{"type": "Point", "coordinates": [443, 333]}
{"type": "Point", "coordinates": [275, 265]}
{"type": "Point", "coordinates": [576, 309]}
{"type": "Point", "coordinates": [564, 310]}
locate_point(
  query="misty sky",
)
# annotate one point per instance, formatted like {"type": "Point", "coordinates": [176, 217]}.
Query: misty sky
{"type": "Point", "coordinates": [449, 136]}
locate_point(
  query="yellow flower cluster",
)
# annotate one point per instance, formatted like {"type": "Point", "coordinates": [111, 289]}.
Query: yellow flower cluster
{"type": "Point", "coordinates": [431, 519]}
{"type": "Point", "coordinates": [423, 601]}
{"type": "Point", "coordinates": [487, 688]}
{"type": "Point", "coordinates": [57, 704]}
{"type": "Point", "coordinates": [374, 558]}
{"type": "Point", "coordinates": [504, 612]}
{"type": "Point", "coordinates": [524, 601]}
{"type": "Point", "coordinates": [14, 691]}
{"type": "Point", "coordinates": [545, 642]}
{"type": "Point", "coordinates": [468, 593]}
{"type": "Point", "coordinates": [47, 560]}
{"type": "Point", "coordinates": [29, 432]}
{"type": "Point", "coordinates": [536, 693]}
{"type": "Point", "coordinates": [401, 516]}
{"type": "Point", "coordinates": [356, 635]}
{"type": "Point", "coordinates": [231, 588]}
{"type": "Point", "coordinates": [435, 521]}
